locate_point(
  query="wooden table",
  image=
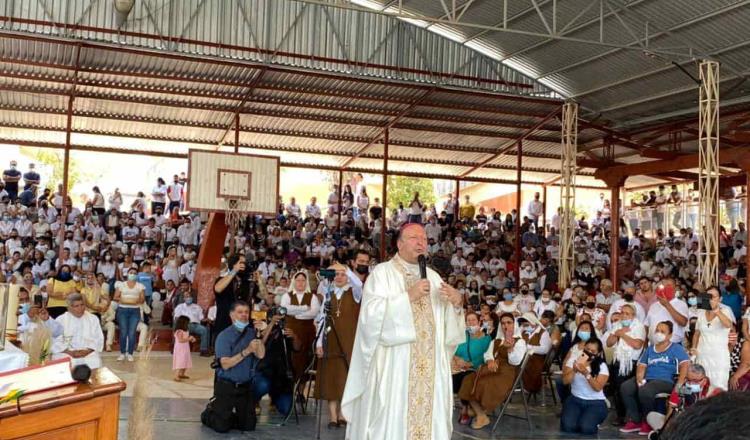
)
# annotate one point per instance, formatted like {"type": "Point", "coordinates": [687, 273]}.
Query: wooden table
{"type": "Point", "coordinates": [74, 412]}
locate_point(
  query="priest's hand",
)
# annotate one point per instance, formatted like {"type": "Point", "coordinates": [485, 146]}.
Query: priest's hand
{"type": "Point", "coordinates": [419, 290]}
{"type": "Point", "coordinates": [492, 365]}
{"type": "Point", "coordinates": [448, 293]}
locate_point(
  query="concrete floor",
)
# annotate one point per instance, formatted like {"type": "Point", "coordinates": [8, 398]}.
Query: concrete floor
{"type": "Point", "coordinates": [178, 407]}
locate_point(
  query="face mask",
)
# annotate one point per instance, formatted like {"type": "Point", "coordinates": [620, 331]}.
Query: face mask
{"type": "Point", "coordinates": [65, 276]}
{"type": "Point", "coordinates": [693, 301]}
{"type": "Point", "coordinates": [626, 322]}
{"type": "Point", "coordinates": [590, 305]}
{"type": "Point", "coordinates": [239, 325]}
{"type": "Point", "coordinates": [584, 335]}
{"type": "Point", "coordinates": [524, 291]}
{"type": "Point", "coordinates": [508, 296]}
{"type": "Point", "coordinates": [693, 388]}
{"type": "Point", "coordinates": [545, 300]}
{"type": "Point", "coordinates": [363, 269]}
{"type": "Point", "coordinates": [528, 330]}
{"type": "Point", "coordinates": [557, 298]}
{"type": "Point", "coordinates": [25, 307]}
{"type": "Point", "coordinates": [474, 329]}
{"type": "Point", "coordinates": [108, 258]}
{"type": "Point", "coordinates": [132, 277]}
{"type": "Point", "coordinates": [188, 301]}
{"type": "Point", "coordinates": [628, 297]}
{"type": "Point", "coordinates": [659, 337]}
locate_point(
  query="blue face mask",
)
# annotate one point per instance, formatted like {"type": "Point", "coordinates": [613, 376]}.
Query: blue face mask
{"type": "Point", "coordinates": [508, 296]}
{"type": "Point", "coordinates": [239, 325]}
{"type": "Point", "coordinates": [584, 335]}
{"type": "Point", "coordinates": [65, 276]}
{"type": "Point", "coordinates": [693, 388]}
{"type": "Point", "coordinates": [132, 277]}
{"type": "Point", "coordinates": [693, 301]}
{"type": "Point", "coordinates": [188, 301]}
{"type": "Point", "coordinates": [25, 308]}
{"type": "Point", "coordinates": [625, 322]}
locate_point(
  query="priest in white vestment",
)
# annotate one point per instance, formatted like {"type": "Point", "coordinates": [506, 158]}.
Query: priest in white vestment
{"type": "Point", "coordinates": [82, 339]}
{"type": "Point", "coordinates": [399, 382]}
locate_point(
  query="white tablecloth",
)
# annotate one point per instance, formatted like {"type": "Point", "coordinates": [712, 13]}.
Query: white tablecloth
{"type": "Point", "coordinates": [12, 358]}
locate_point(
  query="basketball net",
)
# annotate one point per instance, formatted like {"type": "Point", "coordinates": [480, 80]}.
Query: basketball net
{"type": "Point", "coordinates": [235, 212]}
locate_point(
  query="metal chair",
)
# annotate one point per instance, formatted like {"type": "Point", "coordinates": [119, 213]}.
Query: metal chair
{"type": "Point", "coordinates": [517, 388]}
{"type": "Point", "coordinates": [547, 376]}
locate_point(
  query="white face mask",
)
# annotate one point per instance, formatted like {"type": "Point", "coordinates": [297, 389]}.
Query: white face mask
{"type": "Point", "coordinates": [473, 329]}
{"type": "Point", "coordinates": [659, 337]}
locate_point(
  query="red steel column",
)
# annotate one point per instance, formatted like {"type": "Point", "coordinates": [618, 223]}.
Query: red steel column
{"type": "Point", "coordinates": [236, 133]}
{"type": "Point", "coordinates": [614, 234]}
{"type": "Point", "coordinates": [518, 212]}
{"type": "Point", "coordinates": [341, 191]}
{"type": "Point", "coordinates": [544, 210]}
{"type": "Point", "coordinates": [384, 218]}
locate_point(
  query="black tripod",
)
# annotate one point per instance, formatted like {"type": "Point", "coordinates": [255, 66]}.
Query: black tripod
{"type": "Point", "coordinates": [289, 375]}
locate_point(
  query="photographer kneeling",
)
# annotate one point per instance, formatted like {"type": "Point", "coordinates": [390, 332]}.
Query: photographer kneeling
{"type": "Point", "coordinates": [238, 353]}
{"type": "Point", "coordinates": [274, 373]}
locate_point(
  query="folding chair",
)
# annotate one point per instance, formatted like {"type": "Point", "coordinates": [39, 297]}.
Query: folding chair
{"type": "Point", "coordinates": [547, 376]}
{"type": "Point", "coordinates": [517, 388]}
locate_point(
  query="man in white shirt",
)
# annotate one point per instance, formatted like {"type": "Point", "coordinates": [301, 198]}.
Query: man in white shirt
{"type": "Point", "coordinates": [195, 313]}
{"type": "Point", "coordinates": [536, 209]}
{"type": "Point", "coordinates": [293, 209]}
{"type": "Point", "coordinates": [450, 209]}
{"type": "Point", "coordinates": [740, 250]}
{"type": "Point", "coordinates": [675, 310]}
{"type": "Point", "coordinates": [458, 262]}
{"type": "Point", "coordinates": [174, 191]}
{"type": "Point", "coordinates": [433, 230]}
{"type": "Point", "coordinates": [187, 233]}
{"type": "Point", "coordinates": [312, 210]}
{"type": "Point", "coordinates": [82, 339]}
{"type": "Point", "coordinates": [159, 195]}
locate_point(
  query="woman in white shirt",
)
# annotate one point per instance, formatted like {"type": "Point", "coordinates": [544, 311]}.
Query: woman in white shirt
{"type": "Point", "coordinates": [129, 295]}
{"type": "Point", "coordinates": [416, 208]}
{"type": "Point", "coordinates": [627, 336]}
{"type": "Point", "coordinates": [585, 409]}
{"type": "Point", "coordinates": [363, 202]}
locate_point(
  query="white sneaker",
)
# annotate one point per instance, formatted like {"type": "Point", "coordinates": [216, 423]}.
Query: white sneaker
{"type": "Point", "coordinates": [121, 358]}
{"type": "Point", "coordinates": [130, 358]}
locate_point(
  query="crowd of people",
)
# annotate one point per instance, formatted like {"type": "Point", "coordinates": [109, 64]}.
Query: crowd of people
{"type": "Point", "coordinates": [86, 271]}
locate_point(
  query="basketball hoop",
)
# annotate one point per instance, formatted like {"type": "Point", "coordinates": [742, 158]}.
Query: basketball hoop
{"type": "Point", "coordinates": [235, 210]}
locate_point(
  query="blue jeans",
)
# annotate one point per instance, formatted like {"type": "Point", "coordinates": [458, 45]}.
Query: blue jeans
{"type": "Point", "coordinates": [262, 386]}
{"type": "Point", "coordinates": [201, 330]}
{"type": "Point", "coordinates": [582, 416]}
{"type": "Point", "coordinates": [127, 320]}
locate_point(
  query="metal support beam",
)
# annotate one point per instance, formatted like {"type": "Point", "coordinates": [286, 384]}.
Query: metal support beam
{"type": "Point", "coordinates": [456, 205]}
{"type": "Point", "coordinates": [236, 133]}
{"type": "Point", "coordinates": [383, 216]}
{"type": "Point", "coordinates": [614, 235]}
{"type": "Point", "coordinates": [544, 210]}
{"type": "Point", "coordinates": [519, 158]}
{"type": "Point", "coordinates": [567, 191]}
{"type": "Point", "coordinates": [66, 158]}
{"type": "Point", "coordinates": [340, 190]}
{"type": "Point", "coordinates": [509, 145]}
{"type": "Point", "coordinates": [708, 177]}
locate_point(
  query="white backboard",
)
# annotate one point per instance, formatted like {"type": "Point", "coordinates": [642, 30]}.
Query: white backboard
{"type": "Point", "coordinates": [214, 177]}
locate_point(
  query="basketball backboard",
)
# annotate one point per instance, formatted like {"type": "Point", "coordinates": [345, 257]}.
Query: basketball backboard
{"type": "Point", "coordinates": [250, 182]}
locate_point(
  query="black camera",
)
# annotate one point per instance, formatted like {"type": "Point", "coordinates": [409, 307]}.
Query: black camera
{"type": "Point", "coordinates": [704, 301]}
{"type": "Point", "coordinates": [280, 311]}
{"type": "Point", "coordinates": [328, 274]}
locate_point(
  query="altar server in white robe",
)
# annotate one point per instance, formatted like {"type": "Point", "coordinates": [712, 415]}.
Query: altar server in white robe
{"type": "Point", "coordinates": [82, 339]}
{"type": "Point", "coordinates": [399, 382]}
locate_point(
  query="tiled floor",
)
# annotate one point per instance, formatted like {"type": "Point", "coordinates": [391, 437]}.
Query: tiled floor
{"type": "Point", "coordinates": [178, 407]}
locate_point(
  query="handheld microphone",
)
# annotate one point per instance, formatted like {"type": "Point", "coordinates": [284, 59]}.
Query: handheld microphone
{"type": "Point", "coordinates": [422, 261]}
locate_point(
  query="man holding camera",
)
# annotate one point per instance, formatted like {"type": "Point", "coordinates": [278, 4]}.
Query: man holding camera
{"type": "Point", "coordinates": [237, 355]}
{"type": "Point", "coordinates": [274, 373]}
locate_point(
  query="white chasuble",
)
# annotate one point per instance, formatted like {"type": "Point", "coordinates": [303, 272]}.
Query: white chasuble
{"type": "Point", "coordinates": [399, 386]}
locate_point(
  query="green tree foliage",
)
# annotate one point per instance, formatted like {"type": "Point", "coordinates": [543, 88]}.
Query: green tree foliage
{"type": "Point", "coordinates": [402, 189]}
{"type": "Point", "coordinates": [56, 160]}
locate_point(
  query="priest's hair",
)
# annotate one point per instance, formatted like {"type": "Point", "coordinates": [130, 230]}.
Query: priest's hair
{"type": "Point", "coordinates": [73, 298]}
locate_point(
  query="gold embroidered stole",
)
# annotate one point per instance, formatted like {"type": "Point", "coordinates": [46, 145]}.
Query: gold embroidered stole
{"type": "Point", "coordinates": [422, 362]}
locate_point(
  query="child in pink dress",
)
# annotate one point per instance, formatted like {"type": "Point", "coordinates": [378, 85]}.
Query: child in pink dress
{"type": "Point", "coordinates": [181, 359]}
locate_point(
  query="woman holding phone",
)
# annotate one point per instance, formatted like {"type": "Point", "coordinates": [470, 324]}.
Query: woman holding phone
{"type": "Point", "coordinates": [587, 375]}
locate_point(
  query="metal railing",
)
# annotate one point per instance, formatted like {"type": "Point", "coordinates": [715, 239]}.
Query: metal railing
{"type": "Point", "coordinates": [682, 215]}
